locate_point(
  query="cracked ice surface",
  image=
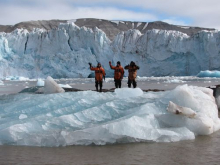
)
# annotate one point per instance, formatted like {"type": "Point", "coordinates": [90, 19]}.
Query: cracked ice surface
{"type": "Point", "coordinates": [126, 115]}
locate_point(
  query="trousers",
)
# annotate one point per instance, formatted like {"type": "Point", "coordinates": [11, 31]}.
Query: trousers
{"type": "Point", "coordinates": [133, 82]}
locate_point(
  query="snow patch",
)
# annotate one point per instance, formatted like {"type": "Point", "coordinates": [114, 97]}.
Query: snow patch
{"type": "Point", "coordinates": [139, 23]}
{"type": "Point", "coordinates": [145, 26]}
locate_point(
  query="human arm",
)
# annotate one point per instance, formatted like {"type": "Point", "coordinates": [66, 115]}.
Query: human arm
{"type": "Point", "coordinates": [103, 73]}
{"type": "Point", "coordinates": [126, 67]}
{"type": "Point", "coordinates": [122, 73]}
{"type": "Point", "coordinates": [90, 65]}
{"type": "Point", "coordinates": [94, 69]}
{"type": "Point", "coordinates": [110, 64]}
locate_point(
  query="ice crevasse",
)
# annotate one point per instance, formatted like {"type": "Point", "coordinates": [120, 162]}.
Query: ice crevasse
{"type": "Point", "coordinates": [124, 116]}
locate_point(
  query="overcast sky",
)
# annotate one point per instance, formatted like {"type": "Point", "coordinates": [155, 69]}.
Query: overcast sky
{"type": "Point", "coordinates": [200, 13]}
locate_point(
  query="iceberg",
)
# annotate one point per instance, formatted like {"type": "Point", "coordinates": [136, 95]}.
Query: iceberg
{"type": "Point", "coordinates": [40, 83]}
{"type": "Point", "coordinates": [64, 85]}
{"type": "Point", "coordinates": [123, 116]}
{"type": "Point", "coordinates": [208, 73]}
{"type": "Point", "coordinates": [174, 81]}
{"type": "Point", "coordinates": [16, 78]}
{"type": "Point", "coordinates": [52, 87]}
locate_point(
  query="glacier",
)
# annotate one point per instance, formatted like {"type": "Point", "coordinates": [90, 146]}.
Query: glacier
{"type": "Point", "coordinates": [124, 116]}
{"type": "Point", "coordinates": [64, 52]}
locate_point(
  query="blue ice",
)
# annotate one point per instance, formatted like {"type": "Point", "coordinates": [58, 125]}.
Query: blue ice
{"type": "Point", "coordinates": [124, 116]}
{"type": "Point", "coordinates": [208, 73]}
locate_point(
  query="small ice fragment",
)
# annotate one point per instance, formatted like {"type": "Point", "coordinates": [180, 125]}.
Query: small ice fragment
{"type": "Point", "coordinates": [22, 116]}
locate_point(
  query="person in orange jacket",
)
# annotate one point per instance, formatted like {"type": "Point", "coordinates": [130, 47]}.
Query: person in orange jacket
{"type": "Point", "coordinates": [118, 75]}
{"type": "Point", "coordinates": [132, 74]}
{"type": "Point", "coordinates": [99, 75]}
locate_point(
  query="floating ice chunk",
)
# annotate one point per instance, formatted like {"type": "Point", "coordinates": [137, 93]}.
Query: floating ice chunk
{"type": "Point", "coordinates": [22, 116]}
{"type": "Point", "coordinates": [208, 73]}
{"type": "Point", "coordinates": [17, 78]}
{"type": "Point", "coordinates": [174, 81]}
{"type": "Point", "coordinates": [64, 85]}
{"type": "Point", "coordinates": [1, 82]}
{"type": "Point", "coordinates": [11, 78]}
{"type": "Point", "coordinates": [40, 83]}
{"type": "Point", "coordinates": [52, 87]}
{"type": "Point", "coordinates": [128, 92]}
{"type": "Point", "coordinates": [23, 78]}
{"type": "Point", "coordinates": [126, 115]}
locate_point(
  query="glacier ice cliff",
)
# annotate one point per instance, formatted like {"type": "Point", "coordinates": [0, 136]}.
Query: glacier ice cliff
{"type": "Point", "coordinates": [124, 116]}
{"type": "Point", "coordinates": [65, 52]}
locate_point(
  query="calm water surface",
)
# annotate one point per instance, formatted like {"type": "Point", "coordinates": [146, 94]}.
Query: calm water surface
{"type": "Point", "coordinates": [202, 150]}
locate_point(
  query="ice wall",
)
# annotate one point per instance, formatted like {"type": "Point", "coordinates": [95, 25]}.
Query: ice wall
{"type": "Point", "coordinates": [124, 116]}
{"type": "Point", "coordinates": [66, 51]}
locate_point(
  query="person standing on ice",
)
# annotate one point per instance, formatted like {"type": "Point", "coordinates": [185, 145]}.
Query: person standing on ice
{"type": "Point", "coordinates": [132, 74]}
{"type": "Point", "coordinates": [99, 75]}
{"type": "Point", "coordinates": [118, 75]}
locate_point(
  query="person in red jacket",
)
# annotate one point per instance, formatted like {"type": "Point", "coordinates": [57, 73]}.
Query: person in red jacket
{"type": "Point", "coordinates": [118, 75]}
{"type": "Point", "coordinates": [132, 74]}
{"type": "Point", "coordinates": [99, 75]}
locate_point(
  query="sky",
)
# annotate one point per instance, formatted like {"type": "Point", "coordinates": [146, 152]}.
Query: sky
{"type": "Point", "coordinates": [199, 13]}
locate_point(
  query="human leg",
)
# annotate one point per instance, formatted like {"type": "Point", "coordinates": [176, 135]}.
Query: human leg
{"type": "Point", "coordinates": [96, 85]}
{"type": "Point", "coordinates": [119, 83]}
{"type": "Point", "coordinates": [134, 84]}
{"type": "Point", "coordinates": [129, 83]}
{"type": "Point", "coordinates": [116, 83]}
{"type": "Point", "coordinates": [100, 85]}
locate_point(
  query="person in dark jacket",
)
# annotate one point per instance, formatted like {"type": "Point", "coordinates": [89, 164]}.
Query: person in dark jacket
{"type": "Point", "coordinates": [132, 74]}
